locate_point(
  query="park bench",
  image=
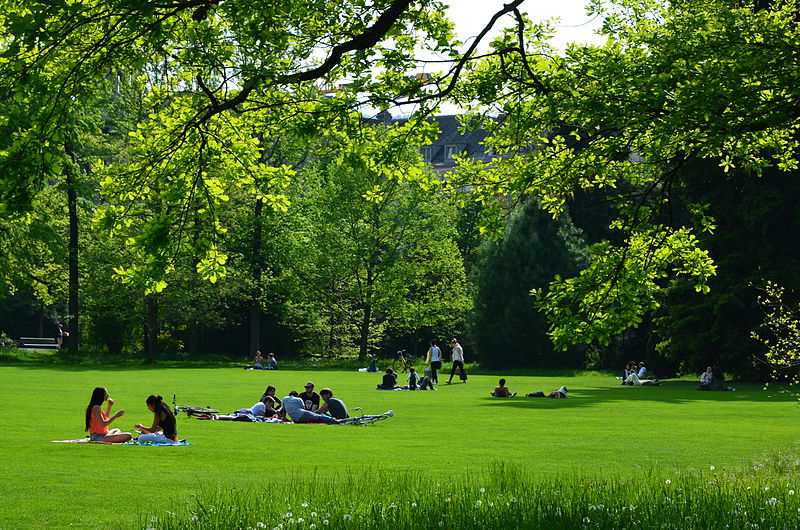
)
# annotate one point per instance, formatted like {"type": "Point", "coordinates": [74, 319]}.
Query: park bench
{"type": "Point", "coordinates": [38, 343]}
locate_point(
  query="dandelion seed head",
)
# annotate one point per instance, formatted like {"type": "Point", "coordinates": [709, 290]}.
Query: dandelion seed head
{"type": "Point", "coordinates": [513, 499]}
{"type": "Point", "coordinates": [300, 520]}
{"type": "Point", "coordinates": [312, 526]}
{"type": "Point", "coordinates": [304, 505]}
{"type": "Point", "coordinates": [259, 524]}
{"type": "Point", "coordinates": [668, 482]}
{"type": "Point", "coordinates": [479, 503]}
{"type": "Point", "coordinates": [766, 488]}
{"type": "Point", "coordinates": [483, 490]}
{"type": "Point", "coordinates": [586, 519]}
{"type": "Point", "coordinates": [413, 504]}
{"type": "Point", "coordinates": [326, 522]}
{"type": "Point", "coordinates": [791, 492]}
{"type": "Point", "coordinates": [313, 514]}
{"type": "Point", "coordinates": [592, 507]}
{"type": "Point", "coordinates": [347, 517]}
{"type": "Point", "coordinates": [773, 501]}
{"type": "Point", "coordinates": [711, 468]}
{"type": "Point", "coordinates": [195, 518]}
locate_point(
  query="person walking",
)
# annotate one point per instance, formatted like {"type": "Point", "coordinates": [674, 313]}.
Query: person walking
{"type": "Point", "coordinates": [434, 360]}
{"type": "Point", "coordinates": [458, 362]}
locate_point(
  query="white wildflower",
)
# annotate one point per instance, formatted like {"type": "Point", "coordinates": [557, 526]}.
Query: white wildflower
{"type": "Point", "coordinates": [304, 505]}
{"type": "Point", "coordinates": [586, 519]}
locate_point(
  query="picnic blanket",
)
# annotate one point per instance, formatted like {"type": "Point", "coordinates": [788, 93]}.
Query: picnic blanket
{"type": "Point", "coordinates": [86, 441]}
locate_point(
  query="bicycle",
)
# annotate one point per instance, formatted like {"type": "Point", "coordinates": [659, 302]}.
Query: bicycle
{"type": "Point", "coordinates": [191, 411]}
{"type": "Point", "coordinates": [402, 362]}
{"type": "Point", "coordinates": [366, 419]}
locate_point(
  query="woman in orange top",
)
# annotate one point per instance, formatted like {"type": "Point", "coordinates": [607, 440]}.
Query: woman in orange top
{"type": "Point", "coordinates": [97, 419]}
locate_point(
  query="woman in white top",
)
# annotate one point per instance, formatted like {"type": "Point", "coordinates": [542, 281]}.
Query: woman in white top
{"type": "Point", "coordinates": [435, 360]}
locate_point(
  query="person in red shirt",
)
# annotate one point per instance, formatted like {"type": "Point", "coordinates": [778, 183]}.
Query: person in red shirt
{"type": "Point", "coordinates": [98, 420]}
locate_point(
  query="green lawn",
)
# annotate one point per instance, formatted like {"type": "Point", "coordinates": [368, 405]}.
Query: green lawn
{"type": "Point", "coordinates": [603, 429]}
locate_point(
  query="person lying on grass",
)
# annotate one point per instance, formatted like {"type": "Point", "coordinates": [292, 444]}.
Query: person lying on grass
{"type": "Point", "coordinates": [98, 420]}
{"type": "Point", "coordinates": [501, 390]}
{"type": "Point", "coordinates": [264, 409]}
{"type": "Point", "coordinates": [164, 429]}
{"type": "Point", "coordinates": [294, 407]}
{"type": "Point", "coordinates": [555, 394]}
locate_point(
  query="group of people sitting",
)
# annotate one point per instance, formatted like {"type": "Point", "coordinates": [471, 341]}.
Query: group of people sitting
{"type": "Point", "coordinates": [634, 375]}
{"type": "Point", "coordinates": [258, 362]}
{"type": "Point", "coordinates": [300, 407]}
{"type": "Point", "coordinates": [713, 379]}
{"type": "Point", "coordinates": [415, 382]}
{"type": "Point", "coordinates": [502, 391]}
{"type": "Point", "coordinates": [162, 431]}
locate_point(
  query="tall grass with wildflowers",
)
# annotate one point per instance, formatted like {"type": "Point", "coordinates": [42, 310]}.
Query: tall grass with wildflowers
{"type": "Point", "coordinates": [761, 495]}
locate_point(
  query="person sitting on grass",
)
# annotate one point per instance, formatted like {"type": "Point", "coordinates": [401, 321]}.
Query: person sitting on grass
{"type": "Point", "coordinates": [310, 398]}
{"type": "Point", "coordinates": [270, 391]}
{"type": "Point", "coordinates": [294, 407]}
{"type": "Point", "coordinates": [501, 390]}
{"type": "Point", "coordinates": [706, 378]}
{"type": "Point", "coordinates": [164, 428]}
{"type": "Point", "coordinates": [272, 362]}
{"type": "Point", "coordinates": [718, 379]}
{"type": "Point", "coordinates": [98, 420]}
{"type": "Point", "coordinates": [389, 380]}
{"type": "Point", "coordinates": [258, 362]}
{"type": "Point", "coordinates": [630, 368]}
{"type": "Point", "coordinates": [333, 406]}
{"type": "Point", "coordinates": [413, 379]}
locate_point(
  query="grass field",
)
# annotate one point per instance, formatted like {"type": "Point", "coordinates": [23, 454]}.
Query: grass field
{"type": "Point", "coordinates": [453, 434]}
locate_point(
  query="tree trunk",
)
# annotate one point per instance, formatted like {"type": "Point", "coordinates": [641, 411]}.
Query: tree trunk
{"type": "Point", "coordinates": [255, 302]}
{"type": "Point", "coordinates": [151, 328]}
{"type": "Point", "coordinates": [363, 343]}
{"type": "Point", "coordinates": [72, 304]}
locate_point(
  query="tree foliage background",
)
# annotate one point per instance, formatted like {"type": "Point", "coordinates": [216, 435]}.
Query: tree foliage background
{"type": "Point", "coordinates": [141, 176]}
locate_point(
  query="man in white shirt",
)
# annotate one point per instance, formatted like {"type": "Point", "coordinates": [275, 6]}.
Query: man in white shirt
{"type": "Point", "coordinates": [458, 362]}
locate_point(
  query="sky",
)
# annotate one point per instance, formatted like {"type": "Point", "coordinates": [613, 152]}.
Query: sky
{"type": "Point", "coordinates": [470, 16]}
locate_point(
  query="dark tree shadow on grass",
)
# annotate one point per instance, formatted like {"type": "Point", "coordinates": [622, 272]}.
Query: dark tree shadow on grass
{"type": "Point", "coordinates": [676, 393]}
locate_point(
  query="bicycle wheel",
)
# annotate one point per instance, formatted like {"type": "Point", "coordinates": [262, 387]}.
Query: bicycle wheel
{"type": "Point", "coordinates": [398, 366]}
{"type": "Point", "coordinates": [191, 411]}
